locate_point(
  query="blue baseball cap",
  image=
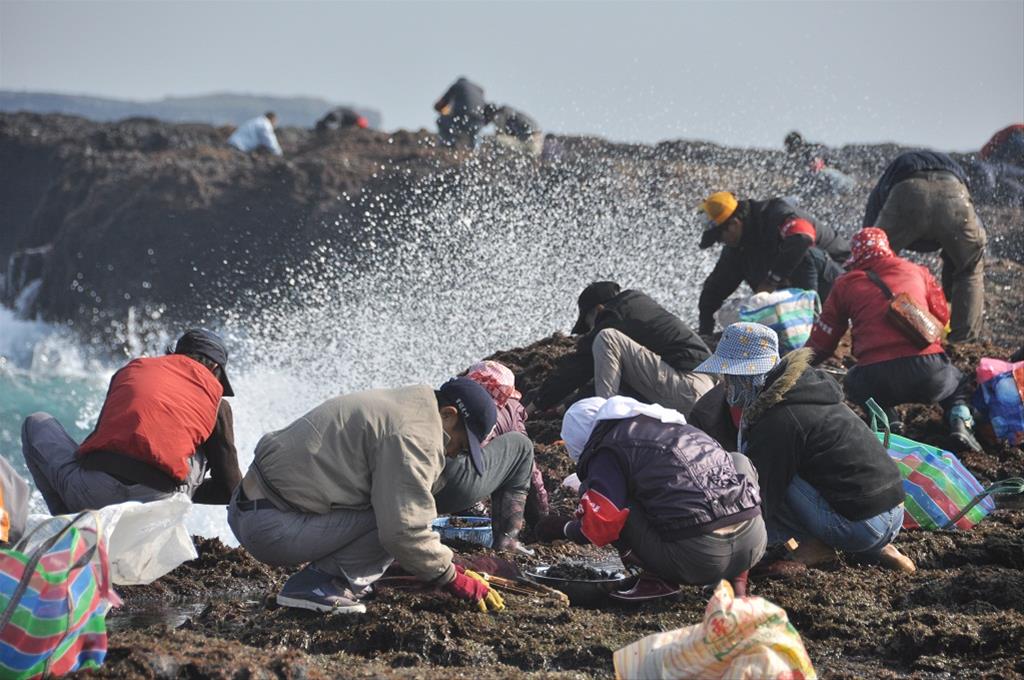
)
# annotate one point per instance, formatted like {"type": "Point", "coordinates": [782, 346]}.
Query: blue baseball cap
{"type": "Point", "coordinates": [478, 413]}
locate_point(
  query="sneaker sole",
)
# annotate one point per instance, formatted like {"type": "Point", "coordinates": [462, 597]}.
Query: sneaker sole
{"type": "Point", "coordinates": [297, 603]}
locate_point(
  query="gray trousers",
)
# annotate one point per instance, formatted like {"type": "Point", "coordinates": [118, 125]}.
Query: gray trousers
{"type": "Point", "coordinates": [509, 463]}
{"type": "Point", "coordinates": [342, 543]}
{"type": "Point", "coordinates": [936, 207]}
{"type": "Point", "coordinates": [68, 487]}
{"type": "Point", "coordinates": [618, 358]}
{"type": "Point", "coordinates": [699, 560]}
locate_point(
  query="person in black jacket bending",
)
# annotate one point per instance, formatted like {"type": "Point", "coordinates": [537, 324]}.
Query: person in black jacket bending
{"type": "Point", "coordinates": [921, 201]}
{"type": "Point", "coordinates": [769, 244]}
{"type": "Point", "coordinates": [631, 345]}
{"type": "Point", "coordinates": [825, 479]}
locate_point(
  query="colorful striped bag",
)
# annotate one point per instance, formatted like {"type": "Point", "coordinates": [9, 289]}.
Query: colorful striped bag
{"type": "Point", "coordinates": [940, 492]}
{"type": "Point", "coordinates": [789, 312]}
{"type": "Point", "coordinates": [54, 596]}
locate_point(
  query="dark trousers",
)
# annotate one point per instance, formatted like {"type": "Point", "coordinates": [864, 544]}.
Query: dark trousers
{"type": "Point", "coordinates": [925, 379]}
{"type": "Point", "coordinates": [815, 271]}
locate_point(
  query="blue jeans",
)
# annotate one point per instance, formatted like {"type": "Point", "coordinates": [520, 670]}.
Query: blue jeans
{"type": "Point", "coordinates": [804, 513]}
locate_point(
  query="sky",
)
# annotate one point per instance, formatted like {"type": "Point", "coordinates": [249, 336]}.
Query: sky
{"type": "Point", "coordinates": [743, 73]}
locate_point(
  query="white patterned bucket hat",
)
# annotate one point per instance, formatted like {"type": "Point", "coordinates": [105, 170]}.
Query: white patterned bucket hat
{"type": "Point", "coordinates": [745, 349]}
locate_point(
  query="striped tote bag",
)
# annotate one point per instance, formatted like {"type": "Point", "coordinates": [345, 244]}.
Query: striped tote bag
{"type": "Point", "coordinates": [789, 312]}
{"type": "Point", "coordinates": [939, 489]}
{"type": "Point", "coordinates": [54, 596]}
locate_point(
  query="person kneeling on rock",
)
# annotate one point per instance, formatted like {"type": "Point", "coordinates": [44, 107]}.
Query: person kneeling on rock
{"type": "Point", "coordinates": [666, 494]}
{"type": "Point", "coordinates": [347, 488]}
{"type": "Point", "coordinates": [509, 475]}
{"type": "Point", "coordinates": [163, 426]}
{"type": "Point", "coordinates": [825, 478]}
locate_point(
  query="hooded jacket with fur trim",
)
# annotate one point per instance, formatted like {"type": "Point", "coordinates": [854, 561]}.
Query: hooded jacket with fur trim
{"type": "Point", "coordinates": [799, 425]}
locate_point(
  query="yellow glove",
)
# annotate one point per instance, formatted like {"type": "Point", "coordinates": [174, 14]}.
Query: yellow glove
{"type": "Point", "coordinates": [492, 601]}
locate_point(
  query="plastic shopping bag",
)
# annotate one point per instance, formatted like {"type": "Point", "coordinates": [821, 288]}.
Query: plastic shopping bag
{"type": "Point", "coordinates": [54, 597]}
{"type": "Point", "coordinates": [939, 489]}
{"type": "Point", "coordinates": [144, 540]}
{"type": "Point", "coordinates": [789, 312]}
{"type": "Point", "coordinates": [1000, 400]}
{"type": "Point", "coordinates": [743, 639]}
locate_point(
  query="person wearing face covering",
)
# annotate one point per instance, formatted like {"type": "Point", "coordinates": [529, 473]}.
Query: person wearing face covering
{"type": "Point", "coordinates": [663, 492]}
{"type": "Point", "coordinates": [825, 478]}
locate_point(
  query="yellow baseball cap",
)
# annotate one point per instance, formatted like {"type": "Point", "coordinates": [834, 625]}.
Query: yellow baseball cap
{"type": "Point", "coordinates": [718, 207]}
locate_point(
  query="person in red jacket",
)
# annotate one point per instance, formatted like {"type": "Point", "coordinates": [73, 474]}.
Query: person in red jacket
{"type": "Point", "coordinates": [891, 368]}
{"type": "Point", "coordinates": [163, 426]}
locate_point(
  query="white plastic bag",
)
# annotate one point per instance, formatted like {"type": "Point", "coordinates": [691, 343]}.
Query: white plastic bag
{"type": "Point", "coordinates": [144, 540]}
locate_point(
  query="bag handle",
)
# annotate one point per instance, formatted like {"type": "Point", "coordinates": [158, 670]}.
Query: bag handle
{"type": "Point", "coordinates": [878, 415]}
{"type": "Point", "coordinates": [1004, 487]}
{"type": "Point", "coordinates": [33, 562]}
{"type": "Point", "coordinates": [877, 280]}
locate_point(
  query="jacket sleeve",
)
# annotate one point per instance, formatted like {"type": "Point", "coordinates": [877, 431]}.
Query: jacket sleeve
{"type": "Point", "coordinates": [937, 304]}
{"type": "Point", "coordinates": [773, 445]}
{"type": "Point", "coordinates": [798, 236]}
{"type": "Point", "coordinates": [572, 372]}
{"type": "Point", "coordinates": [602, 512]}
{"type": "Point", "coordinates": [830, 326]}
{"type": "Point", "coordinates": [401, 499]}
{"type": "Point", "coordinates": [722, 282]}
{"type": "Point", "coordinates": [222, 458]}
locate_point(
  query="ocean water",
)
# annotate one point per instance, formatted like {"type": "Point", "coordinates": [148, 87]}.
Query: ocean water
{"type": "Point", "coordinates": [480, 266]}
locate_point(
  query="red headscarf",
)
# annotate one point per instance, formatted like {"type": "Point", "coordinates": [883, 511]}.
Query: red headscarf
{"type": "Point", "coordinates": [497, 379]}
{"type": "Point", "coordinates": [866, 246]}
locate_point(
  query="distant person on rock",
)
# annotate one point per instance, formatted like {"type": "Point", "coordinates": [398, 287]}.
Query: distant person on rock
{"type": "Point", "coordinates": [462, 114]}
{"type": "Point", "coordinates": [998, 173]}
{"type": "Point", "coordinates": [341, 118]}
{"type": "Point", "coordinates": [632, 346]}
{"type": "Point", "coordinates": [769, 244]}
{"type": "Point", "coordinates": [814, 171]}
{"type": "Point", "coordinates": [664, 493]}
{"type": "Point", "coordinates": [891, 367]}
{"type": "Point", "coordinates": [824, 477]}
{"type": "Point", "coordinates": [507, 473]}
{"type": "Point", "coordinates": [163, 426]}
{"type": "Point", "coordinates": [347, 489]}
{"type": "Point", "coordinates": [257, 133]}
{"type": "Point", "coordinates": [515, 130]}
{"type": "Point", "coordinates": [922, 203]}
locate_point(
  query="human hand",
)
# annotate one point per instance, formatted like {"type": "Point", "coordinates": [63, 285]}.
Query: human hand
{"type": "Point", "coordinates": [469, 585]}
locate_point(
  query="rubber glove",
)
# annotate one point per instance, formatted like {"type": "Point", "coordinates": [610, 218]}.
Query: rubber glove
{"type": "Point", "coordinates": [471, 586]}
{"type": "Point", "coordinates": [551, 528]}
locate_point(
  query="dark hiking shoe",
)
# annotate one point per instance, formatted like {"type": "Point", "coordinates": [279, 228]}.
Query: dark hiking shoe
{"type": "Point", "coordinates": [962, 435]}
{"type": "Point", "coordinates": [648, 587]}
{"type": "Point", "coordinates": [316, 591]}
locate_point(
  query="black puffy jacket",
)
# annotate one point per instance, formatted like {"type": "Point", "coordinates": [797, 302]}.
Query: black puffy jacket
{"type": "Point", "coordinates": [799, 425]}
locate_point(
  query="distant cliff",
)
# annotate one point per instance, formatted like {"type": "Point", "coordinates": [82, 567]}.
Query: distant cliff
{"type": "Point", "coordinates": [213, 109]}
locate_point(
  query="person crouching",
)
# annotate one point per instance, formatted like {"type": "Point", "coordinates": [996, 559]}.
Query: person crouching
{"type": "Point", "coordinates": [666, 494]}
{"type": "Point", "coordinates": [825, 479]}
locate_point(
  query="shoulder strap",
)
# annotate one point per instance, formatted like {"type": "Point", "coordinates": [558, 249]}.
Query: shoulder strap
{"type": "Point", "coordinates": [877, 280]}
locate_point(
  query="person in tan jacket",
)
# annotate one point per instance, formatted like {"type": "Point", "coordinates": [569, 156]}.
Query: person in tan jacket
{"type": "Point", "coordinates": [347, 489]}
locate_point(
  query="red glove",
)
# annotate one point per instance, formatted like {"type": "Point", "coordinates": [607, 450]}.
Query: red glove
{"type": "Point", "coordinates": [469, 585]}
